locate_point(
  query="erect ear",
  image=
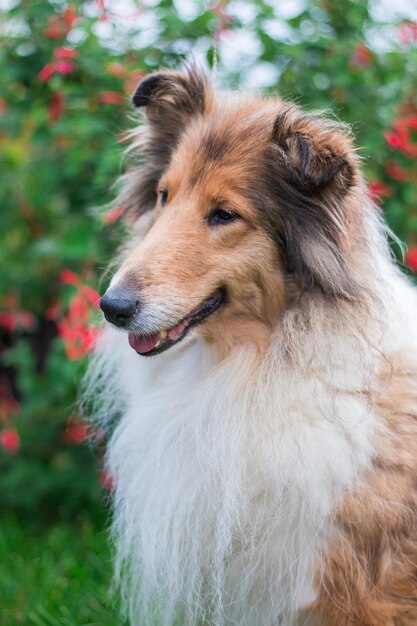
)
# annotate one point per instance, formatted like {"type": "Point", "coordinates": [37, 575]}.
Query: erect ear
{"type": "Point", "coordinates": [170, 100]}
{"type": "Point", "coordinates": [314, 169]}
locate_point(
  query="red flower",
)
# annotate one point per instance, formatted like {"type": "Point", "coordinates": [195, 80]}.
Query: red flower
{"type": "Point", "coordinates": [396, 172]}
{"type": "Point", "coordinates": [56, 107]}
{"type": "Point", "coordinates": [378, 189]}
{"type": "Point", "coordinates": [10, 320]}
{"type": "Point", "coordinates": [70, 16]}
{"type": "Point", "coordinates": [10, 440]}
{"type": "Point", "coordinates": [55, 29]}
{"type": "Point", "coordinates": [111, 97]}
{"type": "Point", "coordinates": [77, 431]}
{"type": "Point", "coordinates": [91, 295]}
{"type": "Point", "coordinates": [410, 258]}
{"type": "Point", "coordinates": [60, 25]}
{"type": "Point", "coordinates": [360, 57]}
{"type": "Point", "coordinates": [401, 138]}
{"type": "Point", "coordinates": [64, 67]}
{"type": "Point", "coordinates": [65, 53]}
{"type": "Point", "coordinates": [7, 321]}
{"type": "Point", "coordinates": [74, 329]}
{"type": "Point", "coordinates": [46, 72]}
{"type": "Point", "coordinates": [113, 215]}
{"type": "Point", "coordinates": [68, 277]}
{"type": "Point", "coordinates": [60, 67]}
{"type": "Point", "coordinates": [396, 140]}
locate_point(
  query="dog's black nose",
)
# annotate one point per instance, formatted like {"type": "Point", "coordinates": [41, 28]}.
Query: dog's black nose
{"type": "Point", "coordinates": [118, 306]}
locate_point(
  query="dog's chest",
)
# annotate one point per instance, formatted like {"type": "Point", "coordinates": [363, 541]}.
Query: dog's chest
{"type": "Point", "coordinates": [226, 485]}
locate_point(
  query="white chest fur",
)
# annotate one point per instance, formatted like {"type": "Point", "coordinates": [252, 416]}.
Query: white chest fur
{"type": "Point", "coordinates": [225, 478]}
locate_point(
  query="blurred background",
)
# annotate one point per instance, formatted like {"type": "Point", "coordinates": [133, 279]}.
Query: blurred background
{"type": "Point", "coordinates": [67, 71]}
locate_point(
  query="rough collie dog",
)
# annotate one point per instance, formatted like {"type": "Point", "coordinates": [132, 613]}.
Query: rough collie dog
{"type": "Point", "coordinates": [259, 374]}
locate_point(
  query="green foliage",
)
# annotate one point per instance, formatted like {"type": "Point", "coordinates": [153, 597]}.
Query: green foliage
{"type": "Point", "coordinates": [67, 71]}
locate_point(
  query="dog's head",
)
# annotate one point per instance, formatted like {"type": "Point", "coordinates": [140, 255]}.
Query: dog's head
{"type": "Point", "coordinates": [249, 202]}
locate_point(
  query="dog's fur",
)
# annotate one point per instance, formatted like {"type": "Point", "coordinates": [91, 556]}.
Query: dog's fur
{"type": "Point", "coordinates": [265, 467]}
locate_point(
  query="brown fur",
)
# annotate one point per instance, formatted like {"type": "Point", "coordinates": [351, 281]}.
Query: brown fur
{"type": "Point", "coordinates": [370, 568]}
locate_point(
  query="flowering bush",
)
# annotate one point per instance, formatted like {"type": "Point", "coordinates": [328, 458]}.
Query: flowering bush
{"type": "Point", "coordinates": [67, 72]}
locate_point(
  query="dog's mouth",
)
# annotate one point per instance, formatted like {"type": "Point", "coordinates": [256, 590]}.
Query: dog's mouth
{"type": "Point", "coordinates": [149, 345]}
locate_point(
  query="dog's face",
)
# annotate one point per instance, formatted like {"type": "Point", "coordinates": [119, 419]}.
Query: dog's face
{"type": "Point", "coordinates": [241, 195]}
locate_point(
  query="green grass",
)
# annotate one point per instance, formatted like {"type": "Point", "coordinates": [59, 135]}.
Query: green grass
{"type": "Point", "coordinates": [59, 576]}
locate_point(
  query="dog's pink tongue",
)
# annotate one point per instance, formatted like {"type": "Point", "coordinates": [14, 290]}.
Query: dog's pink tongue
{"type": "Point", "coordinates": [143, 344]}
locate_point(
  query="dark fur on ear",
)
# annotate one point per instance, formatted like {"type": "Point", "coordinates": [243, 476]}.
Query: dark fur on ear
{"type": "Point", "coordinates": [170, 100]}
{"type": "Point", "coordinates": [312, 166]}
{"type": "Point", "coordinates": [313, 151]}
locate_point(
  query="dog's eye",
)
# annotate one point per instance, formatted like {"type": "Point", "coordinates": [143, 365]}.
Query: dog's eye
{"type": "Point", "coordinates": [221, 216]}
{"type": "Point", "coordinates": [163, 196]}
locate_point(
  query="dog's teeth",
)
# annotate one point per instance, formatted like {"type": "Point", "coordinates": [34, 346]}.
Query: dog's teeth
{"type": "Point", "coordinates": [163, 334]}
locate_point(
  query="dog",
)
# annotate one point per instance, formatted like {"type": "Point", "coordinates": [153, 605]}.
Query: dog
{"type": "Point", "coordinates": [259, 373]}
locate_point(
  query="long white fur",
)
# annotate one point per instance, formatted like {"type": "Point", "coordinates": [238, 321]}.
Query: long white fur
{"type": "Point", "coordinates": [227, 473]}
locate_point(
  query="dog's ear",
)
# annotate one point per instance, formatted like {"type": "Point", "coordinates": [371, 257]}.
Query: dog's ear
{"type": "Point", "coordinates": [314, 152]}
{"type": "Point", "coordinates": [314, 169]}
{"type": "Point", "coordinates": [170, 99]}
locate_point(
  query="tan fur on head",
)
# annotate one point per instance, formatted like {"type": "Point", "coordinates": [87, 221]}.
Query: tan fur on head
{"type": "Point", "coordinates": [290, 177]}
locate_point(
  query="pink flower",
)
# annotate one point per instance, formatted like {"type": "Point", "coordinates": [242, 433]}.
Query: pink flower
{"type": "Point", "coordinates": [10, 440]}
{"type": "Point", "coordinates": [59, 67]}
{"type": "Point", "coordinates": [407, 32]}
{"type": "Point", "coordinates": [411, 258]}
